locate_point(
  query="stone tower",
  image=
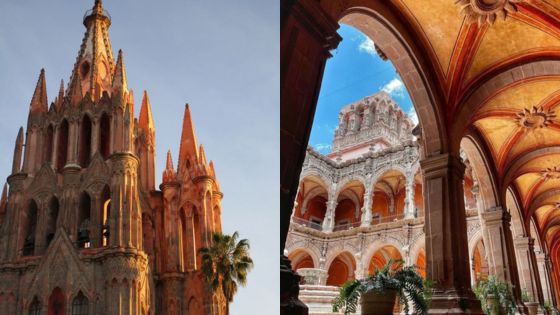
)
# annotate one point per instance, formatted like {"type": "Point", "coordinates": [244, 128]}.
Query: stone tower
{"type": "Point", "coordinates": [83, 229]}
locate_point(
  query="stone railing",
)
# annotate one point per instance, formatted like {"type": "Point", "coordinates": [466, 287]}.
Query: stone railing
{"type": "Point", "coordinates": [313, 276]}
{"type": "Point", "coordinates": [307, 223]}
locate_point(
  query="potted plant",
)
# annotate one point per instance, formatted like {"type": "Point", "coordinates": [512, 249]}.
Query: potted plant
{"type": "Point", "coordinates": [377, 293]}
{"type": "Point", "coordinates": [495, 297]}
{"type": "Point", "coordinates": [532, 307]}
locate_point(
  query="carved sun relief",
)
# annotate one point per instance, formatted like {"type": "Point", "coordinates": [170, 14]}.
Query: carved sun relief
{"type": "Point", "coordinates": [551, 173]}
{"type": "Point", "coordinates": [536, 117]}
{"type": "Point", "coordinates": [486, 11]}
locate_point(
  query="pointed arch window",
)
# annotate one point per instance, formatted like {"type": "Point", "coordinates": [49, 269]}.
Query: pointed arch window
{"type": "Point", "coordinates": [84, 152]}
{"type": "Point", "coordinates": [62, 149]}
{"type": "Point", "coordinates": [51, 219]}
{"type": "Point", "coordinates": [105, 136]}
{"type": "Point", "coordinates": [30, 228]}
{"type": "Point", "coordinates": [196, 237]}
{"type": "Point", "coordinates": [84, 215]}
{"type": "Point", "coordinates": [80, 304]}
{"type": "Point", "coordinates": [56, 302]}
{"type": "Point", "coordinates": [35, 307]}
{"type": "Point", "coordinates": [49, 142]}
{"type": "Point", "coordinates": [182, 243]}
{"type": "Point", "coordinates": [105, 216]}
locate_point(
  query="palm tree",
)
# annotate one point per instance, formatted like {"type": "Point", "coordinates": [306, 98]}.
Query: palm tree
{"type": "Point", "coordinates": [225, 264]}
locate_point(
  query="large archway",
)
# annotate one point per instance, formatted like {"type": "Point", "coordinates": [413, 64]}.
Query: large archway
{"type": "Point", "coordinates": [382, 256]}
{"type": "Point", "coordinates": [341, 269]}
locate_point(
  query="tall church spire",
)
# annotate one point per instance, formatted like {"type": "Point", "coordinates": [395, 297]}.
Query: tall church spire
{"type": "Point", "coordinates": [39, 102]}
{"type": "Point", "coordinates": [188, 151]}
{"type": "Point", "coordinates": [145, 121]}
{"type": "Point", "coordinates": [95, 63]}
{"type": "Point", "coordinates": [119, 79]}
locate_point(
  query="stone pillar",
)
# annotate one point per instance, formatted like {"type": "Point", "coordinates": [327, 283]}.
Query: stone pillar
{"type": "Point", "coordinates": [544, 277]}
{"type": "Point", "coordinates": [366, 210]}
{"type": "Point", "coordinates": [308, 33]}
{"type": "Point", "coordinates": [447, 263]}
{"type": "Point", "coordinates": [328, 222]}
{"type": "Point", "coordinates": [528, 269]}
{"type": "Point", "coordinates": [500, 250]}
{"type": "Point", "coordinates": [410, 207]}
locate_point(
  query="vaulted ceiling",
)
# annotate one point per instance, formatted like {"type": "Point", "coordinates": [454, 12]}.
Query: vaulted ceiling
{"type": "Point", "coordinates": [470, 42]}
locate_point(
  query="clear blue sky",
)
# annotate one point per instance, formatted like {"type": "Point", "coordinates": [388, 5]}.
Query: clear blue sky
{"type": "Point", "coordinates": [354, 72]}
{"type": "Point", "coordinates": [220, 56]}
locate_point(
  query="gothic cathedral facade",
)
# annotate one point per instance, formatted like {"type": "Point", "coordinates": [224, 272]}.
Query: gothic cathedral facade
{"type": "Point", "coordinates": [83, 228]}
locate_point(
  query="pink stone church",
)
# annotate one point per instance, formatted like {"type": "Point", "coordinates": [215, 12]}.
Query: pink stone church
{"type": "Point", "coordinates": [83, 228]}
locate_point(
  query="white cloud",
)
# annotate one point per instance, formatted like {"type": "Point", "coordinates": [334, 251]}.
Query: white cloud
{"type": "Point", "coordinates": [367, 46]}
{"type": "Point", "coordinates": [322, 147]}
{"type": "Point", "coordinates": [412, 115]}
{"type": "Point", "coordinates": [395, 88]}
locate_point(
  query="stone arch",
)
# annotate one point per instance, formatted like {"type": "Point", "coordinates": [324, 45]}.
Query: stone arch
{"type": "Point", "coordinates": [62, 145]}
{"type": "Point", "coordinates": [79, 304]}
{"type": "Point", "coordinates": [506, 77]}
{"type": "Point", "coordinates": [194, 307]}
{"type": "Point", "coordinates": [52, 218]}
{"type": "Point", "coordinates": [35, 306]}
{"type": "Point", "coordinates": [104, 135]}
{"type": "Point", "coordinates": [483, 168]}
{"type": "Point", "coordinates": [388, 194]}
{"type": "Point", "coordinates": [310, 248]}
{"type": "Point", "coordinates": [85, 140]}
{"type": "Point", "coordinates": [478, 257]}
{"type": "Point", "coordinates": [378, 22]}
{"type": "Point", "coordinates": [303, 258]}
{"type": "Point", "coordinates": [350, 199]}
{"type": "Point", "coordinates": [105, 216]}
{"type": "Point", "coordinates": [57, 301]}
{"type": "Point", "coordinates": [518, 225]}
{"type": "Point", "coordinates": [341, 268]}
{"type": "Point", "coordinates": [376, 245]}
{"type": "Point", "coordinates": [311, 199]}
{"type": "Point", "coordinates": [83, 221]}
{"type": "Point", "coordinates": [49, 143]}
{"type": "Point", "coordinates": [29, 223]}
{"type": "Point", "coordinates": [382, 256]}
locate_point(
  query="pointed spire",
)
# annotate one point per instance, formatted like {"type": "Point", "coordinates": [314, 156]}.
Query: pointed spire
{"type": "Point", "coordinates": [202, 155]}
{"type": "Point", "coordinates": [4, 198]}
{"type": "Point", "coordinates": [145, 121]}
{"type": "Point", "coordinates": [75, 91]}
{"type": "Point", "coordinates": [60, 97]}
{"type": "Point", "coordinates": [18, 150]}
{"type": "Point", "coordinates": [97, 7]}
{"type": "Point", "coordinates": [119, 79]}
{"type": "Point", "coordinates": [212, 169]}
{"type": "Point", "coordinates": [169, 172]}
{"type": "Point", "coordinates": [188, 146]}
{"type": "Point", "coordinates": [39, 102]}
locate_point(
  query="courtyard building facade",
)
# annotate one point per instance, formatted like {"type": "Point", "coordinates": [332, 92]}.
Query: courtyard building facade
{"type": "Point", "coordinates": [83, 227]}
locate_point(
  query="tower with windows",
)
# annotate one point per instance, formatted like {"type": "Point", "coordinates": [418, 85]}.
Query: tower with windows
{"type": "Point", "coordinates": [83, 228]}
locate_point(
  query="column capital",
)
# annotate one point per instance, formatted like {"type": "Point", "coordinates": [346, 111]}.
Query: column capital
{"type": "Point", "coordinates": [524, 241]}
{"type": "Point", "coordinates": [433, 166]}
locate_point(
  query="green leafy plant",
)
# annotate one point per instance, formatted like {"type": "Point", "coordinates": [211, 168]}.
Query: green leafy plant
{"type": "Point", "coordinates": [405, 280]}
{"type": "Point", "coordinates": [501, 292]}
{"type": "Point", "coordinates": [548, 306]}
{"type": "Point", "coordinates": [525, 296]}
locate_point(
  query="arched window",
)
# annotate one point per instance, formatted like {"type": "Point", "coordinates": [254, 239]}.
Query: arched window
{"type": "Point", "coordinates": [85, 142]}
{"type": "Point", "coordinates": [30, 228]}
{"type": "Point", "coordinates": [182, 243]}
{"type": "Point", "coordinates": [51, 219]}
{"type": "Point", "coordinates": [80, 304]}
{"type": "Point", "coordinates": [62, 149]}
{"type": "Point", "coordinates": [105, 136]}
{"type": "Point", "coordinates": [35, 307]}
{"type": "Point", "coordinates": [105, 215]}
{"type": "Point", "coordinates": [48, 148]}
{"type": "Point", "coordinates": [196, 237]}
{"type": "Point", "coordinates": [84, 215]}
{"type": "Point", "coordinates": [56, 302]}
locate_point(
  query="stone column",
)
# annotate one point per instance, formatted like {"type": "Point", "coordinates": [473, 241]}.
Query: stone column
{"type": "Point", "coordinates": [328, 222]}
{"type": "Point", "coordinates": [544, 277]}
{"type": "Point", "coordinates": [366, 210]}
{"type": "Point", "coordinates": [500, 250]}
{"type": "Point", "coordinates": [528, 270]}
{"type": "Point", "coordinates": [410, 207]}
{"type": "Point", "coordinates": [308, 33]}
{"type": "Point", "coordinates": [447, 263]}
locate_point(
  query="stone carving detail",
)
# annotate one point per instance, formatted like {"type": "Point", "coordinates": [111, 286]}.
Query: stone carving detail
{"type": "Point", "coordinates": [486, 11]}
{"type": "Point", "coordinates": [550, 173]}
{"type": "Point", "coordinates": [535, 117]}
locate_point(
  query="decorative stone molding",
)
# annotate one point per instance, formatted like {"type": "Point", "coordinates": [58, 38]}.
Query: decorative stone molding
{"type": "Point", "coordinates": [486, 11]}
{"type": "Point", "coordinates": [535, 117]}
